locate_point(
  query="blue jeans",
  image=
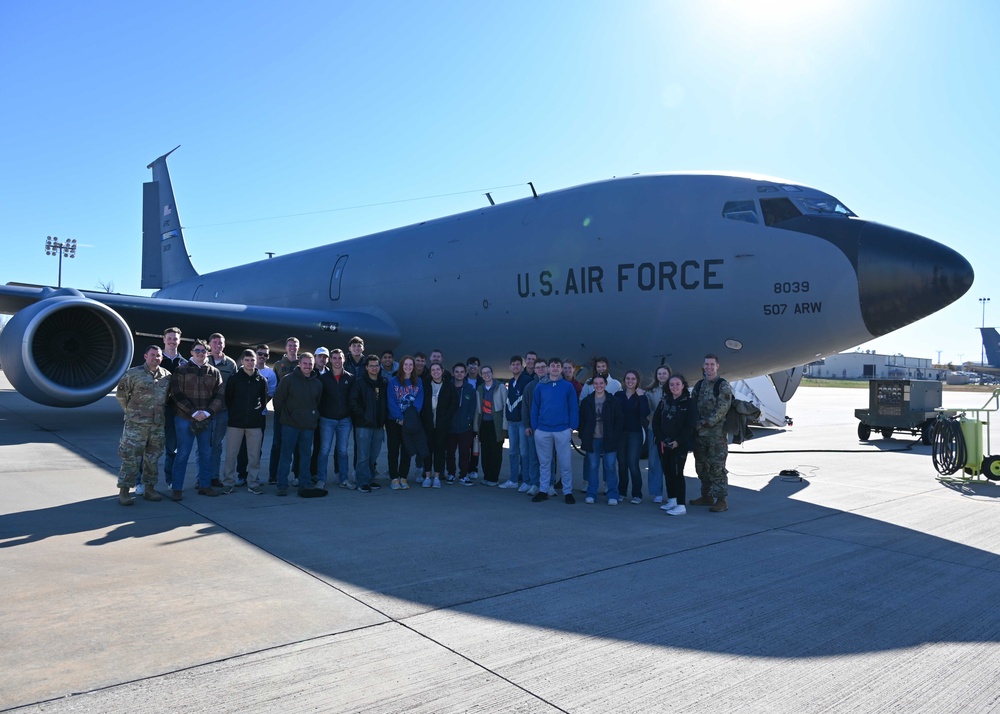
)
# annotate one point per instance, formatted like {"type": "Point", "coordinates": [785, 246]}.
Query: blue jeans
{"type": "Point", "coordinates": [628, 463]}
{"type": "Point", "coordinates": [369, 443]}
{"type": "Point", "coordinates": [592, 468]}
{"type": "Point", "coordinates": [330, 429]}
{"type": "Point", "coordinates": [170, 439]}
{"type": "Point", "coordinates": [185, 444]}
{"type": "Point", "coordinates": [532, 470]}
{"type": "Point", "coordinates": [515, 444]}
{"type": "Point", "coordinates": [654, 472]}
{"type": "Point", "coordinates": [299, 440]}
{"type": "Point", "coordinates": [221, 424]}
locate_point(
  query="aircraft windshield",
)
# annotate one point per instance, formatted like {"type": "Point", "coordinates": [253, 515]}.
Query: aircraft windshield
{"type": "Point", "coordinates": [823, 205]}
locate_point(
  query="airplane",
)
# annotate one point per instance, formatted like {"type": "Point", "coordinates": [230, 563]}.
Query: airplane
{"type": "Point", "coordinates": [646, 269]}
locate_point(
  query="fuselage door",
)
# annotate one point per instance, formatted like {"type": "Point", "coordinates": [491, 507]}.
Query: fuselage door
{"type": "Point", "coordinates": [338, 272]}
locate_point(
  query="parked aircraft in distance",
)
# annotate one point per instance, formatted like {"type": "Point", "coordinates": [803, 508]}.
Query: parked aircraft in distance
{"type": "Point", "coordinates": [767, 274]}
{"type": "Point", "coordinates": [991, 346]}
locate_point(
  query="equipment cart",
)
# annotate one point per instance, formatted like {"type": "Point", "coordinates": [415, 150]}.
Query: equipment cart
{"type": "Point", "coordinates": [900, 405]}
{"type": "Point", "coordinates": [962, 442]}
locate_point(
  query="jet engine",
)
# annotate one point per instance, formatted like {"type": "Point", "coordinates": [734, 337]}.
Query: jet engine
{"type": "Point", "coordinates": [65, 350]}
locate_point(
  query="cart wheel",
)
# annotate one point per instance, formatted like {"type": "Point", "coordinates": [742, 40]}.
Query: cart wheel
{"type": "Point", "coordinates": [927, 433]}
{"type": "Point", "coordinates": [991, 468]}
{"type": "Point", "coordinates": [864, 431]}
{"type": "Point", "coordinates": [886, 432]}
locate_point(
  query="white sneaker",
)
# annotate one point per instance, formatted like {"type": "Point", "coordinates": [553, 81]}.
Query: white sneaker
{"type": "Point", "coordinates": [140, 489]}
{"type": "Point", "coordinates": [508, 484]}
{"type": "Point", "coordinates": [612, 502]}
{"type": "Point", "coordinates": [636, 501]}
{"type": "Point", "coordinates": [589, 499]}
{"type": "Point", "coordinates": [671, 503]}
{"type": "Point", "coordinates": [552, 492]}
{"type": "Point", "coordinates": [436, 483]}
{"type": "Point", "coordinates": [523, 488]}
{"type": "Point", "coordinates": [677, 510]}
{"type": "Point", "coordinates": [474, 475]}
{"type": "Point", "coordinates": [293, 482]}
{"type": "Point", "coordinates": [533, 490]}
{"type": "Point", "coordinates": [321, 485]}
{"type": "Point", "coordinates": [426, 483]}
{"type": "Point", "coordinates": [658, 499]}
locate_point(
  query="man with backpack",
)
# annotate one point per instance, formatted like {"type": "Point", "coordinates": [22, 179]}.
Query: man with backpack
{"type": "Point", "coordinates": [713, 397]}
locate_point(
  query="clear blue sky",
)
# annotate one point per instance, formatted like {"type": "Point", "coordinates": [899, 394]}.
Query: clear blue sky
{"type": "Point", "coordinates": [312, 107]}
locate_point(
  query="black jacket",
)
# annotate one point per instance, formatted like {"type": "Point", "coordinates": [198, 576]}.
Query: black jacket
{"type": "Point", "coordinates": [369, 401]}
{"type": "Point", "coordinates": [611, 415]}
{"type": "Point", "coordinates": [246, 397]}
{"type": "Point", "coordinates": [447, 405]}
{"type": "Point", "coordinates": [297, 400]}
{"type": "Point", "coordinates": [674, 420]}
{"type": "Point", "coordinates": [334, 404]}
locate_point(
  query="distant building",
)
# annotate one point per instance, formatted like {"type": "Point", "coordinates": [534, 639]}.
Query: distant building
{"type": "Point", "coordinates": [868, 365]}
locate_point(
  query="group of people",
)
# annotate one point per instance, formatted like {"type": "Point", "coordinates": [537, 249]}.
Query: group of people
{"type": "Point", "coordinates": [447, 423]}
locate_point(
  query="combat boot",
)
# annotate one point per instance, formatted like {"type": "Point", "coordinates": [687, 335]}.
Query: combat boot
{"type": "Point", "coordinates": [151, 495]}
{"type": "Point", "coordinates": [703, 501]}
{"type": "Point", "coordinates": [123, 496]}
{"type": "Point", "coordinates": [719, 506]}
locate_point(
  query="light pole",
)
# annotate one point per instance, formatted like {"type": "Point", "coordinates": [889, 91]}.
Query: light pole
{"type": "Point", "coordinates": [54, 247]}
{"type": "Point", "coordinates": [983, 301]}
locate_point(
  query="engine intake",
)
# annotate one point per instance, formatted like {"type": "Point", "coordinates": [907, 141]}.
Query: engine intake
{"type": "Point", "coordinates": [65, 350]}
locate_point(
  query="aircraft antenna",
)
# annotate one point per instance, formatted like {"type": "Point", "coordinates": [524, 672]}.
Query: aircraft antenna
{"type": "Point", "coordinates": [490, 198]}
{"type": "Point", "coordinates": [533, 191]}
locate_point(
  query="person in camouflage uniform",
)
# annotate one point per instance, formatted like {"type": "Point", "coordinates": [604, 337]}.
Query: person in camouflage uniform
{"type": "Point", "coordinates": [713, 397]}
{"type": "Point", "coordinates": [142, 393]}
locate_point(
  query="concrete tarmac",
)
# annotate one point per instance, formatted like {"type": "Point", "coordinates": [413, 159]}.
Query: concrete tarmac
{"type": "Point", "coordinates": [866, 586]}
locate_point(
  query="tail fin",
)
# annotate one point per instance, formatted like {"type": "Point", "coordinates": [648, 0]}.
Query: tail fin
{"type": "Point", "coordinates": [991, 341]}
{"type": "Point", "coordinates": [164, 256]}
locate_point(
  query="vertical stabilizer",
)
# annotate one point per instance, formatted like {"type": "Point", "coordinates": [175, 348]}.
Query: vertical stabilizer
{"type": "Point", "coordinates": [164, 256]}
{"type": "Point", "coordinates": [991, 341]}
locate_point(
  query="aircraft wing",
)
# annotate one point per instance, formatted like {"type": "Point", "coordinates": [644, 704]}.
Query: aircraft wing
{"type": "Point", "coordinates": [67, 347]}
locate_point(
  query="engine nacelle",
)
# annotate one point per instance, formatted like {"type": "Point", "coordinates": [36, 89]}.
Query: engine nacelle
{"type": "Point", "coordinates": [66, 350]}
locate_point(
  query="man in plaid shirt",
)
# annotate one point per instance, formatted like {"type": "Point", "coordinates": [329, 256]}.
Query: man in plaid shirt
{"type": "Point", "coordinates": [196, 388]}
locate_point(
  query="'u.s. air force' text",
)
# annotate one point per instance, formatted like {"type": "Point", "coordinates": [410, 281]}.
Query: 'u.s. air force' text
{"type": "Point", "coordinates": [587, 279]}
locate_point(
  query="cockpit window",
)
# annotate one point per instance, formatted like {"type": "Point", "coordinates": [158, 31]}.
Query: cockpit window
{"type": "Point", "coordinates": [823, 205]}
{"type": "Point", "coordinates": [741, 211]}
{"type": "Point", "coordinates": [776, 210]}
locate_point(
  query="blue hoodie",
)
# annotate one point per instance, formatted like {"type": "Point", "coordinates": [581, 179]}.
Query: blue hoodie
{"type": "Point", "coordinates": [554, 406]}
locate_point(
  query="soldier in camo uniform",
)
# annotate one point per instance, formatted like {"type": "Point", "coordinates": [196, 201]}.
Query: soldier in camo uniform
{"type": "Point", "coordinates": [713, 397]}
{"type": "Point", "coordinates": [142, 392]}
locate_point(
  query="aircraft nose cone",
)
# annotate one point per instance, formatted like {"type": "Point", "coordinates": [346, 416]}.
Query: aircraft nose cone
{"type": "Point", "coordinates": [903, 277]}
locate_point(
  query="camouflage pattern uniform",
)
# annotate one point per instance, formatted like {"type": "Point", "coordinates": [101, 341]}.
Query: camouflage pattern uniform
{"type": "Point", "coordinates": [142, 395]}
{"type": "Point", "coordinates": [710, 445]}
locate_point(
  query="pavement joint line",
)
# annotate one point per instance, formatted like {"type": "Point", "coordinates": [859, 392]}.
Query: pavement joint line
{"type": "Point", "coordinates": [397, 621]}
{"type": "Point", "coordinates": [191, 667]}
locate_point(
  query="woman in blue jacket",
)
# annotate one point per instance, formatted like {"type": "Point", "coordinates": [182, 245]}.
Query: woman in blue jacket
{"type": "Point", "coordinates": [406, 399]}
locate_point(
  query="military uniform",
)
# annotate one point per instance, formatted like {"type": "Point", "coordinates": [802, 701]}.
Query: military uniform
{"type": "Point", "coordinates": [142, 395]}
{"type": "Point", "coordinates": [710, 445]}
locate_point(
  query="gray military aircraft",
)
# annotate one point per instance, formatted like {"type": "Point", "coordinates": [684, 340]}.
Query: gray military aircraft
{"type": "Point", "coordinates": [767, 274]}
